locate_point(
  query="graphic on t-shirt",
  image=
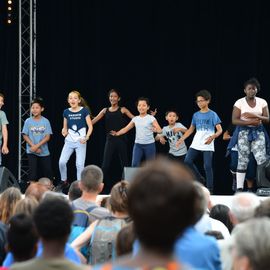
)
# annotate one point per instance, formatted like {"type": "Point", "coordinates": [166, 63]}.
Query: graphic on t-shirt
{"type": "Point", "coordinates": [37, 130]}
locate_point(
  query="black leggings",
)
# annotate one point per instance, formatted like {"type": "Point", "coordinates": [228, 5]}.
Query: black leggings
{"type": "Point", "coordinates": [38, 164]}
{"type": "Point", "coordinates": [113, 145]}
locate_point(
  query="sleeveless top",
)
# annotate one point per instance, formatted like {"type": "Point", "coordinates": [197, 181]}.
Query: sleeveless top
{"type": "Point", "coordinates": [114, 121]}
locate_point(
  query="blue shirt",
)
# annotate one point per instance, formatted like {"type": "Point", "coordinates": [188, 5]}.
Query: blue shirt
{"type": "Point", "coordinates": [198, 250]}
{"type": "Point", "coordinates": [36, 130]}
{"type": "Point", "coordinates": [76, 123]}
{"type": "Point", "coordinates": [70, 254]}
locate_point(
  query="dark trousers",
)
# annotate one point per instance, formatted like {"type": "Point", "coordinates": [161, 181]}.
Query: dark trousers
{"type": "Point", "coordinates": [37, 165]}
{"type": "Point", "coordinates": [192, 155]}
{"type": "Point", "coordinates": [113, 145]}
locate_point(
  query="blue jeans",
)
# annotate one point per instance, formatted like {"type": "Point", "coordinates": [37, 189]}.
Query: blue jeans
{"type": "Point", "coordinates": [148, 150]}
{"type": "Point", "coordinates": [192, 154]}
{"type": "Point", "coordinates": [68, 149]}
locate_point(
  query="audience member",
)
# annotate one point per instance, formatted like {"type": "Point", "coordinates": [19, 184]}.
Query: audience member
{"type": "Point", "coordinates": [26, 206]}
{"type": "Point", "coordinates": [8, 200]}
{"type": "Point", "coordinates": [243, 206]}
{"type": "Point", "coordinates": [221, 212]}
{"type": "Point", "coordinates": [74, 191]}
{"type": "Point", "coordinates": [157, 214]}
{"type": "Point", "coordinates": [102, 233]}
{"type": "Point", "coordinates": [194, 247]}
{"type": "Point", "coordinates": [53, 218]}
{"type": "Point", "coordinates": [206, 223]}
{"type": "Point", "coordinates": [22, 237]}
{"type": "Point", "coordinates": [263, 210]}
{"type": "Point", "coordinates": [46, 182]}
{"type": "Point", "coordinates": [36, 190]}
{"type": "Point", "coordinates": [124, 240]}
{"type": "Point", "coordinates": [251, 245]}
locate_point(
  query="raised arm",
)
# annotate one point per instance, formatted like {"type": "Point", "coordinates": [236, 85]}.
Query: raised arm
{"type": "Point", "coordinates": [125, 111]}
{"type": "Point", "coordinates": [123, 130]}
{"type": "Point", "coordinates": [99, 116]}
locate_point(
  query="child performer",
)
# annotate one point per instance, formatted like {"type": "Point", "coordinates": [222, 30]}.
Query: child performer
{"type": "Point", "coordinates": [3, 129]}
{"type": "Point", "coordinates": [205, 121]}
{"type": "Point", "coordinates": [145, 125]}
{"type": "Point", "coordinates": [77, 128]}
{"type": "Point", "coordinates": [173, 132]}
{"type": "Point", "coordinates": [37, 132]}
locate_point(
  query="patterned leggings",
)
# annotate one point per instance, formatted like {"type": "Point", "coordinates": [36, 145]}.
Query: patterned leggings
{"type": "Point", "coordinates": [257, 147]}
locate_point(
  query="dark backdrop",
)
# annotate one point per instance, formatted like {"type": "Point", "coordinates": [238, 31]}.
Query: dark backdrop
{"type": "Point", "coordinates": [165, 50]}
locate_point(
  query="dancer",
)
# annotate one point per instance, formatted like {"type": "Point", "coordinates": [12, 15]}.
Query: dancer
{"type": "Point", "coordinates": [3, 129]}
{"type": "Point", "coordinates": [173, 132]}
{"type": "Point", "coordinates": [145, 125]}
{"type": "Point", "coordinates": [252, 164]}
{"type": "Point", "coordinates": [205, 121]}
{"type": "Point", "coordinates": [249, 113]}
{"type": "Point", "coordinates": [115, 119]}
{"type": "Point", "coordinates": [77, 128]}
{"type": "Point", "coordinates": [37, 132]}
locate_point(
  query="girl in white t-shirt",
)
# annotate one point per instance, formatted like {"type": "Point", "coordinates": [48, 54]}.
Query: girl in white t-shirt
{"type": "Point", "coordinates": [145, 125]}
{"type": "Point", "coordinates": [249, 113]}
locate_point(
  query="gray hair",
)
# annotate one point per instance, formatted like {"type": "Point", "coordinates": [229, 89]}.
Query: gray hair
{"type": "Point", "coordinates": [251, 239]}
{"type": "Point", "coordinates": [244, 205]}
{"type": "Point", "coordinates": [91, 178]}
{"type": "Point", "coordinates": [202, 200]}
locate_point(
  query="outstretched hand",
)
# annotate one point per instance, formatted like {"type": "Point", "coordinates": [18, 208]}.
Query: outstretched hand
{"type": "Point", "coordinates": [153, 113]}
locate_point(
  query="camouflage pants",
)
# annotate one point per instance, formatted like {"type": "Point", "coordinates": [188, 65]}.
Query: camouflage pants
{"type": "Point", "coordinates": [257, 147]}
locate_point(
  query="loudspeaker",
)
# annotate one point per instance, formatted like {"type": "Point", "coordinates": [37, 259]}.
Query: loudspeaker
{"type": "Point", "coordinates": [263, 175]}
{"type": "Point", "coordinates": [7, 179]}
{"type": "Point", "coordinates": [130, 172]}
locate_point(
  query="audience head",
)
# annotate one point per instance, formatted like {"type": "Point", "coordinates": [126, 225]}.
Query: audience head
{"type": "Point", "coordinates": [222, 213]}
{"type": "Point", "coordinates": [36, 190]}
{"type": "Point", "coordinates": [74, 191]}
{"type": "Point", "coordinates": [53, 218]}
{"type": "Point", "coordinates": [8, 201]}
{"type": "Point", "coordinates": [251, 245]}
{"type": "Point", "coordinates": [125, 239]}
{"type": "Point", "coordinates": [22, 237]}
{"type": "Point", "coordinates": [201, 201]}
{"type": "Point", "coordinates": [26, 206]}
{"type": "Point", "coordinates": [46, 182]}
{"type": "Point", "coordinates": [243, 206]}
{"type": "Point", "coordinates": [118, 201]}
{"type": "Point", "coordinates": [91, 179]}
{"type": "Point", "coordinates": [263, 210]}
{"type": "Point", "coordinates": [161, 204]}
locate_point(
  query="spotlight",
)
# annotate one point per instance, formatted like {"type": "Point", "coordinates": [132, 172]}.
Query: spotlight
{"type": "Point", "coordinates": [9, 2]}
{"type": "Point", "coordinates": [9, 8]}
{"type": "Point", "coordinates": [9, 21]}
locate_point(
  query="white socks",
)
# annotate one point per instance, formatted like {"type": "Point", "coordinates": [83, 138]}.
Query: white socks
{"type": "Point", "coordinates": [240, 179]}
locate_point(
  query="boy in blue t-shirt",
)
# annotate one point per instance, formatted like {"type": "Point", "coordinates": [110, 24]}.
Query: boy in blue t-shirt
{"type": "Point", "coordinates": [37, 132]}
{"type": "Point", "coordinates": [208, 128]}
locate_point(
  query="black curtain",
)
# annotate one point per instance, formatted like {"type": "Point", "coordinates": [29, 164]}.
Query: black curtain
{"type": "Point", "coordinates": [164, 50]}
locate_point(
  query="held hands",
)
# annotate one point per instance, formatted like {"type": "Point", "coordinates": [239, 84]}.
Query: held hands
{"type": "Point", "coordinates": [35, 149]}
{"type": "Point", "coordinates": [153, 113]}
{"type": "Point", "coordinates": [5, 150]}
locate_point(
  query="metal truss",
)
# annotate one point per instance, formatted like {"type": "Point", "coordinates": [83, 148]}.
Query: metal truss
{"type": "Point", "coordinates": [27, 75]}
